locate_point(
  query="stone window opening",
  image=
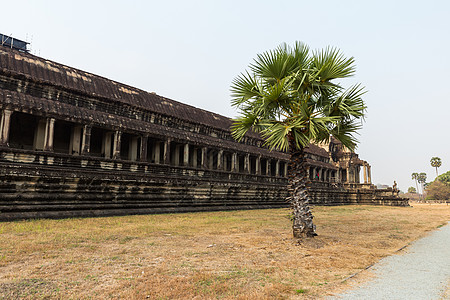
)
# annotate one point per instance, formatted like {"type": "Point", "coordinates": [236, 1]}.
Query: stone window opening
{"type": "Point", "coordinates": [282, 169]}
{"type": "Point", "coordinates": [263, 166]}
{"type": "Point", "coordinates": [176, 154]}
{"type": "Point", "coordinates": [241, 163]}
{"type": "Point", "coordinates": [101, 142]}
{"type": "Point", "coordinates": [227, 161]}
{"type": "Point", "coordinates": [344, 176]}
{"type": "Point", "coordinates": [199, 157]}
{"type": "Point", "coordinates": [253, 164]}
{"type": "Point", "coordinates": [22, 131]}
{"type": "Point", "coordinates": [333, 176]}
{"type": "Point", "coordinates": [273, 169]}
{"type": "Point", "coordinates": [212, 159]}
{"type": "Point", "coordinates": [155, 151]}
{"type": "Point", "coordinates": [130, 145]}
{"type": "Point", "coordinates": [67, 138]}
{"type": "Point", "coordinates": [193, 156]}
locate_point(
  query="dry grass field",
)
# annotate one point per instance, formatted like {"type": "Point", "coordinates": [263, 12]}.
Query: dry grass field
{"type": "Point", "coordinates": [213, 255]}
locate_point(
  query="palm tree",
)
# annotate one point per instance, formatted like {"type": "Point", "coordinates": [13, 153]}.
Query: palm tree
{"type": "Point", "coordinates": [291, 98]}
{"type": "Point", "coordinates": [422, 178]}
{"type": "Point", "coordinates": [436, 162]}
{"type": "Point", "coordinates": [415, 176]}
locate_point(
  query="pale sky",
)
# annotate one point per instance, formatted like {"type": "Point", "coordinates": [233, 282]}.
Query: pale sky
{"type": "Point", "coordinates": [190, 51]}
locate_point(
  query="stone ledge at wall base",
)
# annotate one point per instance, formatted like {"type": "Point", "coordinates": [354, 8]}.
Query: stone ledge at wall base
{"type": "Point", "coordinates": [447, 202]}
{"type": "Point", "coordinates": [48, 185]}
{"type": "Point", "coordinates": [329, 194]}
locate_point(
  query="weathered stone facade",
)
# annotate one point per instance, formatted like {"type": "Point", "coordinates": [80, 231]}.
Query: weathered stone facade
{"type": "Point", "coordinates": [77, 144]}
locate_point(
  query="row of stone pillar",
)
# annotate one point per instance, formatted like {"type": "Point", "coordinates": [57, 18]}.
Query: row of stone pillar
{"type": "Point", "coordinates": [367, 173]}
{"type": "Point", "coordinates": [80, 143]}
{"type": "Point", "coordinates": [323, 174]}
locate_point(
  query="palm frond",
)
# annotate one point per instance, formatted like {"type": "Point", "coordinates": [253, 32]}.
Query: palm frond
{"type": "Point", "coordinates": [276, 136]}
{"type": "Point", "coordinates": [289, 93]}
{"type": "Point", "coordinates": [345, 131]}
{"type": "Point", "coordinates": [243, 88]}
{"type": "Point", "coordinates": [331, 64]}
{"type": "Point", "coordinates": [349, 104]}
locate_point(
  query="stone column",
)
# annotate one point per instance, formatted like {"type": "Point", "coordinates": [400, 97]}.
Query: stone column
{"type": "Point", "coordinates": [176, 156]}
{"type": "Point", "coordinates": [116, 144]}
{"type": "Point", "coordinates": [49, 134]}
{"type": "Point", "coordinates": [277, 168]}
{"type": "Point", "coordinates": [107, 144]}
{"type": "Point", "coordinates": [365, 173]}
{"type": "Point", "coordinates": [247, 163]}
{"type": "Point", "coordinates": [204, 158]}
{"type": "Point", "coordinates": [194, 158]}
{"type": "Point", "coordinates": [75, 140]}
{"type": "Point", "coordinates": [234, 162]}
{"type": "Point", "coordinates": [210, 159]}
{"type": "Point", "coordinates": [86, 140]}
{"type": "Point", "coordinates": [156, 153]}
{"type": "Point", "coordinates": [258, 165]}
{"type": "Point", "coordinates": [143, 148]}
{"type": "Point", "coordinates": [348, 175]}
{"type": "Point", "coordinates": [133, 148]}
{"type": "Point", "coordinates": [167, 152]}
{"type": "Point", "coordinates": [220, 160]}
{"type": "Point", "coordinates": [4, 127]}
{"type": "Point", "coordinates": [186, 155]}
{"type": "Point", "coordinates": [286, 169]}
{"type": "Point", "coordinates": [369, 171]}
{"type": "Point", "coordinates": [268, 168]}
{"type": "Point", "coordinates": [225, 161]}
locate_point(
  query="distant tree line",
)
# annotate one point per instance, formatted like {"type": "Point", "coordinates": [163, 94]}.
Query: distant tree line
{"type": "Point", "coordinates": [439, 189]}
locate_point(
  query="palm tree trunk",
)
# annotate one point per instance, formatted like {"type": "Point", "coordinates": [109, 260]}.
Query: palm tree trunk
{"type": "Point", "coordinates": [299, 198]}
{"type": "Point", "coordinates": [417, 186]}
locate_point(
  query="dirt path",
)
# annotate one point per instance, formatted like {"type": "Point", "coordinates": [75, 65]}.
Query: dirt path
{"type": "Point", "coordinates": [422, 271]}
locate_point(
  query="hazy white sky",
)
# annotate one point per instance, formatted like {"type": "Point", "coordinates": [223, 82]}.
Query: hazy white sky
{"type": "Point", "coordinates": [190, 51]}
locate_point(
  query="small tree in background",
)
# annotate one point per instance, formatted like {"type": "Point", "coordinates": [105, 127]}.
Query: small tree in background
{"type": "Point", "coordinates": [436, 163]}
{"type": "Point", "coordinates": [439, 189]}
{"type": "Point", "coordinates": [412, 190]}
{"type": "Point", "coordinates": [444, 178]}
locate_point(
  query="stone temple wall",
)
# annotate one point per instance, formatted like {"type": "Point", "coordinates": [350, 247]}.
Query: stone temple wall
{"type": "Point", "coordinates": [76, 144]}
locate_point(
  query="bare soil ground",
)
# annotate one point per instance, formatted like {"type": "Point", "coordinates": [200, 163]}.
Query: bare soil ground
{"type": "Point", "coordinates": [225, 255]}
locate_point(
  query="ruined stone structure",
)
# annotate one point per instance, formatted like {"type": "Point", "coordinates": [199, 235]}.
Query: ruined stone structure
{"type": "Point", "coordinates": [77, 144]}
{"type": "Point", "coordinates": [334, 172]}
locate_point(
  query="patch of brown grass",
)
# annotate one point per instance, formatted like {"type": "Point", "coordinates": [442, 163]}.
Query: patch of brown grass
{"type": "Point", "coordinates": [235, 254]}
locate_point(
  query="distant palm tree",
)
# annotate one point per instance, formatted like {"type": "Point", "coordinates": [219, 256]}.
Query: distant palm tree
{"type": "Point", "coordinates": [415, 176]}
{"type": "Point", "coordinates": [422, 178]}
{"type": "Point", "coordinates": [290, 98]}
{"type": "Point", "coordinates": [436, 163]}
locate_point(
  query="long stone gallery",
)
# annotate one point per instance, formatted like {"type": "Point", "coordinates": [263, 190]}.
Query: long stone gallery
{"type": "Point", "coordinates": [77, 144]}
